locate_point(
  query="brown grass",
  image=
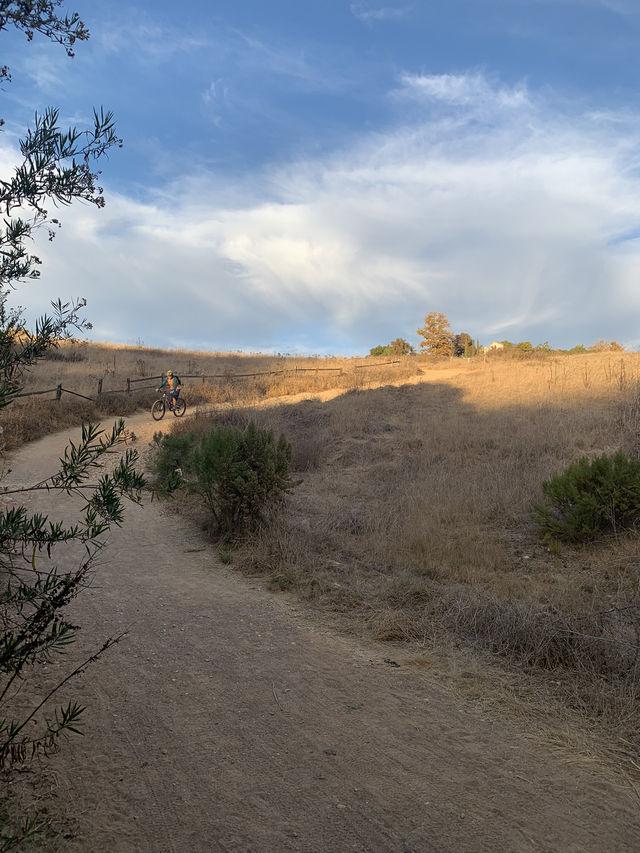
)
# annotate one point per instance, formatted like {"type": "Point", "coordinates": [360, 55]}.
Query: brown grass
{"type": "Point", "coordinates": [83, 368]}
{"type": "Point", "coordinates": [414, 518]}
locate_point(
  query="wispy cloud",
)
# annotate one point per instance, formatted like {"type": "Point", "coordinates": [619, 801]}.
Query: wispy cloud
{"type": "Point", "coordinates": [517, 223]}
{"type": "Point", "coordinates": [462, 90]}
{"type": "Point", "coordinates": [45, 71]}
{"type": "Point", "coordinates": [148, 41]}
{"type": "Point", "coordinates": [620, 7]}
{"type": "Point", "coordinates": [370, 14]}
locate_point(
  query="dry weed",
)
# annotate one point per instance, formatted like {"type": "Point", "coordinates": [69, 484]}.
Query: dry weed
{"type": "Point", "coordinates": [415, 518]}
{"type": "Point", "coordinates": [101, 372]}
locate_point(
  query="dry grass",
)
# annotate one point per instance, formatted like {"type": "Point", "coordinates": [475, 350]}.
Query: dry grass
{"type": "Point", "coordinates": [83, 367]}
{"type": "Point", "coordinates": [414, 518]}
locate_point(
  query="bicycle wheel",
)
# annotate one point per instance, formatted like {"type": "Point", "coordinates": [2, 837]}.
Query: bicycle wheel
{"type": "Point", "coordinates": [179, 408]}
{"type": "Point", "coordinates": [157, 410]}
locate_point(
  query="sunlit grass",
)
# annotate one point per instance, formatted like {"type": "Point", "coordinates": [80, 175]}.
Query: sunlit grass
{"type": "Point", "coordinates": [414, 518]}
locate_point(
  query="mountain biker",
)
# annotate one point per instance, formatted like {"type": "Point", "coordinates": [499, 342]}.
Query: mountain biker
{"type": "Point", "coordinates": [174, 384]}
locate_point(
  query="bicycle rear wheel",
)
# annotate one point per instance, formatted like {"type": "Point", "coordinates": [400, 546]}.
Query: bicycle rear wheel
{"type": "Point", "coordinates": [179, 407]}
{"type": "Point", "coordinates": [157, 410]}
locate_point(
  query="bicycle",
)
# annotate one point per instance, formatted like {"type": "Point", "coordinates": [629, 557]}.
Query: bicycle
{"type": "Point", "coordinates": [178, 407]}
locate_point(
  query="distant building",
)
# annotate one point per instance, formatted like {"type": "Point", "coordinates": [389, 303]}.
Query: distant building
{"type": "Point", "coordinates": [494, 345]}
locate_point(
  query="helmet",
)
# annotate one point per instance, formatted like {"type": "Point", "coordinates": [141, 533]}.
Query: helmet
{"type": "Point", "coordinates": [169, 372]}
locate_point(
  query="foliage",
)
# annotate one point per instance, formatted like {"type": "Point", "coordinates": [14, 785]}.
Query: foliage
{"type": "Point", "coordinates": [545, 348]}
{"type": "Point", "coordinates": [34, 591]}
{"type": "Point", "coordinates": [602, 345]}
{"type": "Point", "coordinates": [578, 349]}
{"type": "Point", "coordinates": [463, 345]}
{"type": "Point", "coordinates": [437, 335]}
{"type": "Point", "coordinates": [400, 347]}
{"type": "Point", "coordinates": [380, 350]}
{"type": "Point", "coordinates": [12, 837]}
{"type": "Point", "coordinates": [239, 474]}
{"type": "Point", "coordinates": [31, 16]}
{"type": "Point", "coordinates": [590, 498]}
{"type": "Point", "coordinates": [169, 464]}
{"type": "Point", "coordinates": [525, 346]}
{"type": "Point", "coordinates": [55, 167]}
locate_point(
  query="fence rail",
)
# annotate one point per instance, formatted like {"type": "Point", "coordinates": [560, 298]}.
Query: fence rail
{"type": "Point", "coordinates": [133, 385]}
{"type": "Point", "coordinates": [58, 391]}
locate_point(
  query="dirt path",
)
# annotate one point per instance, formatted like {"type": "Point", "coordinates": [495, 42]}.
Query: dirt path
{"type": "Point", "coordinates": [229, 720]}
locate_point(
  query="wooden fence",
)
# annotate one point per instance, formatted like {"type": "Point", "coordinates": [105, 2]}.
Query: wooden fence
{"type": "Point", "coordinates": [58, 391]}
{"type": "Point", "coordinates": [133, 385]}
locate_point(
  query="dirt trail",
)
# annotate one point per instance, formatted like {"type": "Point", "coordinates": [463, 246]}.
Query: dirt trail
{"type": "Point", "coordinates": [230, 720]}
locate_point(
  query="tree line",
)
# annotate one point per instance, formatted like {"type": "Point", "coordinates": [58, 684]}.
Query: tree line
{"type": "Point", "coordinates": [438, 339]}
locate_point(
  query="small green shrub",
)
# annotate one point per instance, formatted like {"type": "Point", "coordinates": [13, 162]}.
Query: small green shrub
{"type": "Point", "coordinates": [173, 457]}
{"type": "Point", "coordinates": [238, 473]}
{"type": "Point", "coordinates": [591, 498]}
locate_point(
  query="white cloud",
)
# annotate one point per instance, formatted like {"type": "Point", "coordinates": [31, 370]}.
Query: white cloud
{"type": "Point", "coordinates": [620, 7]}
{"type": "Point", "coordinates": [462, 90]}
{"type": "Point", "coordinates": [518, 222]}
{"type": "Point", "coordinates": [364, 12]}
{"type": "Point", "coordinates": [150, 42]}
{"type": "Point", "coordinates": [45, 71]}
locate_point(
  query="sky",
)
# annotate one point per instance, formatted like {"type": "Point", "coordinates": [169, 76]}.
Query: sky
{"type": "Point", "coordinates": [315, 177]}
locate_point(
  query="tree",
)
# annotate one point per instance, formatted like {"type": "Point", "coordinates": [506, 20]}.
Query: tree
{"type": "Point", "coordinates": [39, 16]}
{"type": "Point", "coordinates": [380, 350]}
{"type": "Point", "coordinates": [602, 345]}
{"type": "Point", "coordinates": [525, 346]}
{"type": "Point", "coordinates": [55, 167]}
{"type": "Point", "coordinates": [437, 335]}
{"type": "Point", "coordinates": [463, 345]}
{"type": "Point", "coordinates": [400, 347]}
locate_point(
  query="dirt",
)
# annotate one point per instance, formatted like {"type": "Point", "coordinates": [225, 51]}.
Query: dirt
{"type": "Point", "coordinates": [232, 719]}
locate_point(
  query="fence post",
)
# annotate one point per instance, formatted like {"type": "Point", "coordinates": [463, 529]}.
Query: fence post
{"type": "Point", "coordinates": [58, 392]}
{"type": "Point", "coordinates": [99, 386]}
{"type": "Point", "coordinates": [128, 386]}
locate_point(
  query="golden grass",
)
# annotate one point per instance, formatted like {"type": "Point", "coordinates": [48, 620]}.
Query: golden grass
{"type": "Point", "coordinates": [84, 368]}
{"type": "Point", "coordinates": [414, 518]}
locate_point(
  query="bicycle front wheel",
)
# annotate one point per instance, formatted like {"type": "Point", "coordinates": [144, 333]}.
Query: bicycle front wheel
{"type": "Point", "coordinates": [179, 408]}
{"type": "Point", "coordinates": [157, 410]}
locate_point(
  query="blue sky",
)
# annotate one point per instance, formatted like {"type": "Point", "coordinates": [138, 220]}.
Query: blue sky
{"type": "Point", "coordinates": [315, 176]}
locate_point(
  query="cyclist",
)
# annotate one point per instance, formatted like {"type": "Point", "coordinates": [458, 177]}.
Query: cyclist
{"type": "Point", "coordinates": [174, 384]}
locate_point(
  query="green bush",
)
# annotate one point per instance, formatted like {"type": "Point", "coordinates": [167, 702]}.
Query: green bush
{"type": "Point", "coordinates": [380, 350]}
{"type": "Point", "coordinates": [591, 498]}
{"type": "Point", "coordinates": [239, 474]}
{"type": "Point", "coordinates": [175, 452]}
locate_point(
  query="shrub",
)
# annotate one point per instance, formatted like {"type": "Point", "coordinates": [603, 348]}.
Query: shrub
{"type": "Point", "coordinates": [380, 350]}
{"type": "Point", "coordinates": [590, 498]}
{"type": "Point", "coordinates": [168, 464]}
{"type": "Point", "coordinates": [238, 473]}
